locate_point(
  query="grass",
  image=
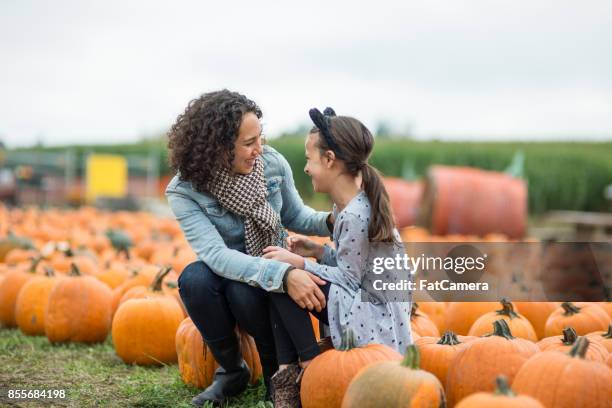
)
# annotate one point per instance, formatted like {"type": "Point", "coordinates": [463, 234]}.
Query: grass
{"type": "Point", "coordinates": [93, 376]}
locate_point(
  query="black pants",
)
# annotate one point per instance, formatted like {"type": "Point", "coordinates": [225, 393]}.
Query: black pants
{"type": "Point", "coordinates": [216, 304]}
{"type": "Point", "coordinates": [293, 333]}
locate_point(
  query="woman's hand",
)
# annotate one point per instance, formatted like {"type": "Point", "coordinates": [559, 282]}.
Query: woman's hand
{"type": "Point", "coordinates": [303, 288]}
{"type": "Point", "coordinates": [304, 246]}
{"type": "Point", "coordinates": [281, 254]}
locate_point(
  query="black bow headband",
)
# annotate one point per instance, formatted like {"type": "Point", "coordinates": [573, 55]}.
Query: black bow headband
{"type": "Point", "coordinates": [322, 122]}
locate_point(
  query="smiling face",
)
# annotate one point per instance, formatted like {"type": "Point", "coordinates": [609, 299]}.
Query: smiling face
{"type": "Point", "coordinates": [248, 144]}
{"type": "Point", "coordinates": [318, 167]}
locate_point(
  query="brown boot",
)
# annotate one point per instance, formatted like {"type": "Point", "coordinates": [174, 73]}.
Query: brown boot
{"type": "Point", "coordinates": [287, 388]}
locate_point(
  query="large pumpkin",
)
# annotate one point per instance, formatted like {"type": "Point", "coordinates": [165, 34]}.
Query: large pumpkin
{"type": "Point", "coordinates": [502, 397]}
{"type": "Point", "coordinates": [518, 324]}
{"type": "Point", "coordinates": [78, 310]}
{"type": "Point", "coordinates": [482, 360]}
{"type": "Point", "coordinates": [564, 343]}
{"type": "Point", "coordinates": [605, 338]}
{"type": "Point", "coordinates": [197, 364]}
{"type": "Point", "coordinates": [32, 302]}
{"type": "Point", "coordinates": [607, 307]}
{"type": "Point", "coordinates": [438, 353]}
{"type": "Point", "coordinates": [327, 377]}
{"type": "Point", "coordinates": [460, 316]}
{"type": "Point", "coordinates": [436, 312]}
{"type": "Point", "coordinates": [144, 329]}
{"type": "Point", "coordinates": [9, 290]}
{"type": "Point", "coordinates": [395, 384]}
{"type": "Point", "coordinates": [140, 277]}
{"type": "Point", "coordinates": [421, 324]}
{"type": "Point", "coordinates": [566, 380]}
{"type": "Point", "coordinates": [583, 317]}
{"type": "Point", "coordinates": [537, 313]}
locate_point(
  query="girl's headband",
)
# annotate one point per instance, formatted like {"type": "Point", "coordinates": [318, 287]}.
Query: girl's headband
{"type": "Point", "coordinates": [323, 123]}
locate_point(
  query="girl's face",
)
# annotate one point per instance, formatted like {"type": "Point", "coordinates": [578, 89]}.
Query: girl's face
{"type": "Point", "coordinates": [318, 167]}
{"type": "Point", "coordinates": [248, 144]}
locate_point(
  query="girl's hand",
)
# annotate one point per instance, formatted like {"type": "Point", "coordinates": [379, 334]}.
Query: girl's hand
{"type": "Point", "coordinates": [281, 254]}
{"type": "Point", "coordinates": [303, 246]}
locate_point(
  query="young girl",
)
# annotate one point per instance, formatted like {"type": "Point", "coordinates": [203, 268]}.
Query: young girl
{"type": "Point", "coordinates": [337, 150]}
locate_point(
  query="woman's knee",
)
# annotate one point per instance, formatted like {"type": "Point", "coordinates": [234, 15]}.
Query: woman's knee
{"type": "Point", "coordinates": [197, 277]}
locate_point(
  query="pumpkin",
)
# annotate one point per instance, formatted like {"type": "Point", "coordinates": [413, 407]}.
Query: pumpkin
{"type": "Point", "coordinates": [140, 277]}
{"type": "Point", "coordinates": [566, 380]}
{"type": "Point", "coordinates": [583, 317]}
{"type": "Point", "coordinates": [31, 303]}
{"type": "Point", "coordinates": [564, 343]}
{"type": "Point", "coordinates": [85, 294]}
{"type": "Point", "coordinates": [605, 338]}
{"type": "Point", "coordinates": [502, 397]}
{"type": "Point", "coordinates": [197, 365]}
{"type": "Point", "coordinates": [518, 324]}
{"type": "Point", "coordinates": [396, 384]}
{"type": "Point", "coordinates": [114, 274]}
{"type": "Point", "coordinates": [421, 324]}
{"type": "Point", "coordinates": [460, 316]}
{"type": "Point", "coordinates": [144, 330]}
{"type": "Point", "coordinates": [436, 312]}
{"type": "Point", "coordinates": [328, 375]}
{"type": "Point", "coordinates": [438, 353]}
{"type": "Point", "coordinates": [9, 290]}
{"type": "Point", "coordinates": [477, 365]}
{"type": "Point", "coordinates": [537, 313]}
{"type": "Point", "coordinates": [609, 360]}
{"type": "Point", "coordinates": [607, 307]}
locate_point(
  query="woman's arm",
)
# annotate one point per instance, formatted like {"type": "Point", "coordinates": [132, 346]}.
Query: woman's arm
{"type": "Point", "coordinates": [209, 246]}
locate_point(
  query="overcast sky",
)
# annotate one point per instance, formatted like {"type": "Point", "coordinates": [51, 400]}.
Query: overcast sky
{"type": "Point", "coordinates": [114, 71]}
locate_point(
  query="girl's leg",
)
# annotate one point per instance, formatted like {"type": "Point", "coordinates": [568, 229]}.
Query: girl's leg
{"type": "Point", "coordinates": [292, 328]}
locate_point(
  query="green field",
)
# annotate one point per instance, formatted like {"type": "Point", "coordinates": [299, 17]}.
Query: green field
{"type": "Point", "coordinates": [93, 376]}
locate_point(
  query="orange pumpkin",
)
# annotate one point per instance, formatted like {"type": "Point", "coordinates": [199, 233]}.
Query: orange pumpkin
{"type": "Point", "coordinates": [395, 384]}
{"type": "Point", "coordinates": [564, 343]}
{"type": "Point", "coordinates": [518, 324]}
{"type": "Point", "coordinates": [32, 302]}
{"type": "Point", "coordinates": [140, 277]}
{"type": "Point", "coordinates": [9, 290]}
{"type": "Point", "coordinates": [438, 353]}
{"type": "Point", "coordinates": [607, 307]}
{"type": "Point", "coordinates": [197, 365]}
{"type": "Point", "coordinates": [566, 380]}
{"type": "Point", "coordinates": [482, 360]}
{"type": "Point", "coordinates": [502, 397]}
{"type": "Point", "coordinates": [537, 313]}
{"type": "Point", "coordinates": [144, 330]}
{"type": "Point", "coordinates": [421, 324]}
{"type": "Point", "coordinates": [583, 317]}
{"type": "Point", "coordinates": [436, 312]}
{"type": "Point", "coordinates": [609, 360]}
{"type": "Point", "coordinates": [85, 294]}
{"type": "Point", "coordinates": [328, 375]}
{"type": "Point", "coordinates": [460, 316]}
{"type": "Point", "coordinates": [605, 338]}
{"type": "Point", "coordinates": [114, 274]}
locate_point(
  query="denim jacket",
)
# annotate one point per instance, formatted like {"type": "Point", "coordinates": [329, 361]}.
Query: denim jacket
{"type": "Point", "coordinates": [217, 235]}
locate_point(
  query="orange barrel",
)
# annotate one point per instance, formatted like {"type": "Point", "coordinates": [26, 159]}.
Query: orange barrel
{"type": "Point", "coordinates": [405, 197]}
{"type": "Point", "coordinates": [465, 200]}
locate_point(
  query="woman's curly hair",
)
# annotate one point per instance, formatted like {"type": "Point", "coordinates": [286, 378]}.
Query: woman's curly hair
{"type": "Point", "coordinates": [202, 139]}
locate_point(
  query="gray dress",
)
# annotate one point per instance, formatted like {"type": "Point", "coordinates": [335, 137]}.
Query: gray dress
{"type": "Point", "coordinates": [347, 268]}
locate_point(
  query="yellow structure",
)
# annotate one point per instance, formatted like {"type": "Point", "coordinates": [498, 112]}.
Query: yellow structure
{"type": "Point", "coordinates": [107, 176]}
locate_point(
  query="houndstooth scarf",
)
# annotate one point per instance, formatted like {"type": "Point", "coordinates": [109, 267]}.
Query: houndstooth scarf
{"type": "Point", "coordinates": [246, 196]}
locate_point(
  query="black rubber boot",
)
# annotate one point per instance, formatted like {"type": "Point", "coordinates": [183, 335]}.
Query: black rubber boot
{"type": "Point", "coordinates": [231, 378]}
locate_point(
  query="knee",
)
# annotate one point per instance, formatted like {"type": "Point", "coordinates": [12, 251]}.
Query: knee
{"type": "Point", "coordinates": [249, 299]}
{"type": "Point", "coordinates": [197, 277]}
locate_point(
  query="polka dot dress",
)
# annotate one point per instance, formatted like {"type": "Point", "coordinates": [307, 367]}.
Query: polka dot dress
{"type": "Point", "coordinates": [375, 321]}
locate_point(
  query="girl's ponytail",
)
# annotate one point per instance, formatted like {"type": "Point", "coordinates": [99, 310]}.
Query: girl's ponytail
{"type": "Point", "coordinates": [381, 219]}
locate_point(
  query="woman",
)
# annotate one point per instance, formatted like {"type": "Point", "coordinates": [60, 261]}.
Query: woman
{"type": "Point", "coordinates": [337, 151]}
{"type": "Point", "coordinates": [232, 197]}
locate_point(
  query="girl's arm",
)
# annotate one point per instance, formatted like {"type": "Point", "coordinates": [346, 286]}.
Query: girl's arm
{"type": "Point", "coordinates": [351, 255]}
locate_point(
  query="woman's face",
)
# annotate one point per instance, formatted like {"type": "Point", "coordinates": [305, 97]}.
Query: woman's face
{"type": "Point", "coordinates": [248, 144]}
{"type": "Point", "coordinates": [318, 167]}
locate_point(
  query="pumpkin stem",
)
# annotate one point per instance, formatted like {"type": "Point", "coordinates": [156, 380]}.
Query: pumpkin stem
{"type": "Point", "coordinates": [580, 348]}
{"type": "Point", "coordinates": [348, 340]}
{"type": "Point", "coordinates": [501, 329]}
{"type": "Point", "coordinates": [608, 334]}
{"type": "Point", "coordinates": [570, 308]}
{"type": "Point", "coordinates": [49, 271]}
{"type": "Point", "coordinates": [569, 336]}
{"type": "Point", "coordinates": [74, 270]}
{"type": "Point", "coordinates": [35, 261]}
{"type": "Point", "coordinates": [415, 310]}
{"type": "Point", "coordinates": [172, 284]}
{"type": "Point", "coordinates": [156, 286]}
{"type": "Point", "coordinates": [502, 387]}
{"type": "Point", "coordinates": [507, 309]}
{"type": "Point", "coordinates": [176, 251]}
{"type": "Point", "coordinates": [449, 339]}
{"type": "Point", "coordinates": [412, 359]}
